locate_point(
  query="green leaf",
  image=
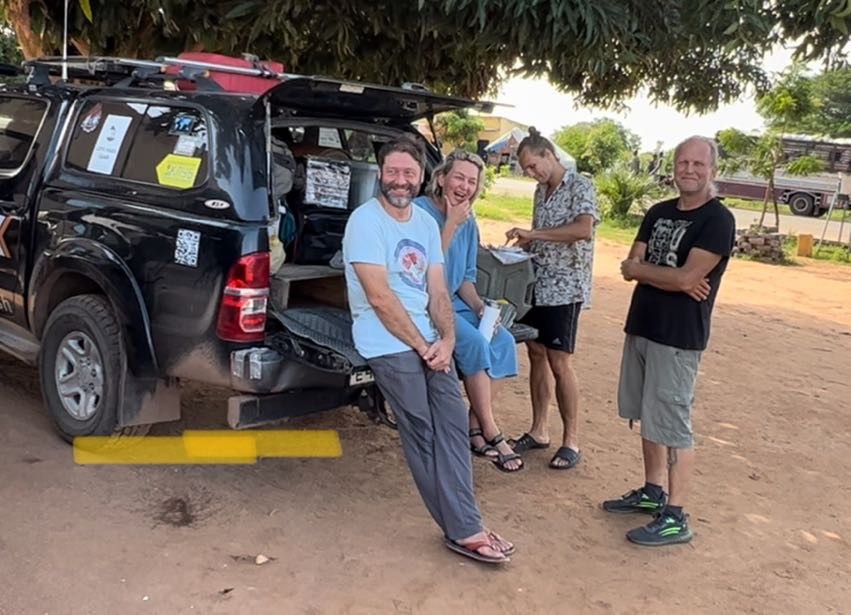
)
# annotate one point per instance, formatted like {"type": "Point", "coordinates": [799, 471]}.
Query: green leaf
{"type": "Point", "coordinates": [241, 10]}
{"type": "Point", "coordinates": [86, 7]}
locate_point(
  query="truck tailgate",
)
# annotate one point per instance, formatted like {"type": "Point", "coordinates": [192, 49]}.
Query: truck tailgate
{"type": "Point", "coordinates": [322, 337]}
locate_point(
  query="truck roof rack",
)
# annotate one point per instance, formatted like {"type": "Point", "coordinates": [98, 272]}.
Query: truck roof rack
{"type": "Point", "coordinates": [129, 72]}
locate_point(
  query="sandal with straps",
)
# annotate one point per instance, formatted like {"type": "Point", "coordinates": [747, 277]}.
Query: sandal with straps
{"type": "Point", "coordinates": [502, 459]}
{"type": "Point", "coordinates": [472, 550]}
{"type": "Point", "coordinates": [481, 451]}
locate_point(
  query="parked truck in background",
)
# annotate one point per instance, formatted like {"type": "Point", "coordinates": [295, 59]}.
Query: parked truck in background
{"type": "Point", "coordinates": [809, 195]}
{"type": "Point", "coordinates": [805, 196]}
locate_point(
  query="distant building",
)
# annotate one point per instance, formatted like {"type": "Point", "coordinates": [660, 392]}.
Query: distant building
{"type": "Point", "coordinates": [496, 126]}
{"type": "Point", "coordinates": [497, 143]}
{"type": "Point", "coordinates": [503, 151]}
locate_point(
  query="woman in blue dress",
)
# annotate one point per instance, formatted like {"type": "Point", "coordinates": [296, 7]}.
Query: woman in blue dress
{"type": "Point", "coordinates": [454, 186]}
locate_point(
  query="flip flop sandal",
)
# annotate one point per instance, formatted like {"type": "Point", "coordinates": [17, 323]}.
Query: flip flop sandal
{"type": "Point", "coordinates": [502, 545]}
{"type": "Point", "coordinates": [567, 454]}
{"type": "Point", "coordinates": [526, 443]}
{"type": "Point", "coordinates": [471, 550]}
{"type": "Point", "coordinates": [480, 451]}
{"type": "Point", "coordinates": [498, 542]}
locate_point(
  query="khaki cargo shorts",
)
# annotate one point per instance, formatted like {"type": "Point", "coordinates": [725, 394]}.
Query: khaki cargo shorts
{"type": "Point", "coordinates": [657, 388]}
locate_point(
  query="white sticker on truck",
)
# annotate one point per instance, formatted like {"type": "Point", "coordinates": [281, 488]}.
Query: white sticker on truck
{"type": "Point", "coordinates": [186, 248]}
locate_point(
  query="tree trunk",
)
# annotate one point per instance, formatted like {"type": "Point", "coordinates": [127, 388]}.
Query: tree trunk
{"type": "Point", "coordinates": [774, 200]}
{"type": "Point", "coordinates": [765, 203]}
{"type": "Point", "coordinates": [18, 13]}
{"type": "Point", "coordinates": [83, 47]}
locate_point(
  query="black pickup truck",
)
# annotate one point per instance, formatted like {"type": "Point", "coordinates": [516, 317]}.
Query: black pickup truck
{"type": "Point", "coordinates": [140, 241]}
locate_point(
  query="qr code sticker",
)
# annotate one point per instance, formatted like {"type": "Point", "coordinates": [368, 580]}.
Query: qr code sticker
{"type": "Point", "coordinates": [186, 250]}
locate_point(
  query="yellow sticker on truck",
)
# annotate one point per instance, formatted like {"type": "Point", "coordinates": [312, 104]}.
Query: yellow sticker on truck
{"type": "Point", "coordinates": [178, 171]}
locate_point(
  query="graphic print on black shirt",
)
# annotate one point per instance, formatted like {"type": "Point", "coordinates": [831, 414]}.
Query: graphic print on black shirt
{"type": "Point", "coordinates": [674, 318]}
{"type": "Point", "coordinates": [665, 240]}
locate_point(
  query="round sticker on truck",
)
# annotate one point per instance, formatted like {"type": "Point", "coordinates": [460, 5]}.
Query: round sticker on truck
{"type": "Point", "coordinates": [216, 204]}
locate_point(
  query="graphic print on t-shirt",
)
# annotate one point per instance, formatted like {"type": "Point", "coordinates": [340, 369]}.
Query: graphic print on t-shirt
{"type": "Point", "coordinates": [665, 240]}
{"type": "Point", "coordinates": [412, 261]}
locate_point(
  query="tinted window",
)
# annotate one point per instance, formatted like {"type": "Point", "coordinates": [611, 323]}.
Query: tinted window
{"type": "Point", "coordinates": [154, 144]}
{"type": "Point", "coordinates": [19, 122]}
{"type": "Point", "coordinates": [102, 136]}
{"type": "Point", "coordinates": [170, 148]}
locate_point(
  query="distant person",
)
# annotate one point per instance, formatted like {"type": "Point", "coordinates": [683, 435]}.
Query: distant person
{"type": "Point", "coordinates": [562, 243]}
{"type": "Point", "coordinates": [635, 165]}
{"type": "Point", "coordinates": [654, 168]}
{"type": "Point", "coordinates": [404, 326]}
{"type": "Point", "coordinates": [651, 164]}
{"type": "Point", "coordinates": [678, 258]}
{"type": "Point", "coordinates": [455, 185]}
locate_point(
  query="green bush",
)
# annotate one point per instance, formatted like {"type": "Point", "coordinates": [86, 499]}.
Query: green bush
{"type": "Point", "coordinates": [505, 170]}
{"type": "Point", "coordinates": [620, 189]}
{"type": "Point", "coordinates": [490, 178]}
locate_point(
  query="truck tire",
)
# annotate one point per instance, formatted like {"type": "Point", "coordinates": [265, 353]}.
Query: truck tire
{"type": "Point", "coordinates": [802, 204]}
{"type": "Point", "coordinates": [81, 367]}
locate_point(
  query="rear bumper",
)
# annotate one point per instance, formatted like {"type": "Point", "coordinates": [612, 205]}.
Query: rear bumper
{"type": "Point", "coordinates": [245, 411]}
{"type": "Point", "coordinates": [264, 370]}
{"type": "Point", "coordinates": [272, 386]}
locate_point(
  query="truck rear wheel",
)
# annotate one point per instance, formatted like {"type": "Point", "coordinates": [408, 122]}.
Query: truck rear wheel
{"type": "Point", "coordinates": [802, 204]}
{"type": "Point", "coordinates": [81, 366]}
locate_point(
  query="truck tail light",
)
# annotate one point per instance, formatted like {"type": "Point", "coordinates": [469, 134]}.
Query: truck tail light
{"type": "Point", "coordinates": [242, 315]}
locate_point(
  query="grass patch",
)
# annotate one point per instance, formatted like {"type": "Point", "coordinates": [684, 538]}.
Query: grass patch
{"type": "Point", "coordinates": [504, 208]}
{"type": "Point", "coordinates": [619, 230]}
{"type": "Point", "coordinates": [769, 214]}
{"type": "Point", "coordinates": [834, 254]}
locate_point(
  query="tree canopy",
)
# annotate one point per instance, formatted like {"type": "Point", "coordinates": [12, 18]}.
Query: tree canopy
{"type": "Point", "coordinates": [10, 53]}
{"type": "Point", "coordinates": [830, 112]}
{"type": "Point", "coordinates": [597, 145]}
{"type": "Point", "coordinates": [693, 54]}
{"type": "Point", "coordinates": [788, 103]}
{"type": "Point", "coordinates": [459, 129]}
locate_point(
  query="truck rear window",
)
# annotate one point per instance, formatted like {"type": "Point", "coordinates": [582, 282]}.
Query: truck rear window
{"type": "Point", "coordinates": [19, 122]}
{"type": "Point", "coordinates": [155, 144]}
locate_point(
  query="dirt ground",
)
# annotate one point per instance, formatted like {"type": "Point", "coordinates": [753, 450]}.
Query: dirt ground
{"type": "Point", "coordinates": [350, 535]}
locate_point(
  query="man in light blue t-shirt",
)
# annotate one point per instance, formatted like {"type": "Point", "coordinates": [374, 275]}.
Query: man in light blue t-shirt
{"type": "Point", "coordinates": [404, 326]}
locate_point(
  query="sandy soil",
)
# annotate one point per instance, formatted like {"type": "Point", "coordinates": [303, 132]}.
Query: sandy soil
{"type": "Point", "coordinates": [350, 535]}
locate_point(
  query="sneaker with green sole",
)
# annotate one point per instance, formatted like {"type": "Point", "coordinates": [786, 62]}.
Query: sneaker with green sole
{"type": "Point", "coordinates": [665, 529]}
{"type": "Point", "coordinates": [636, 501]}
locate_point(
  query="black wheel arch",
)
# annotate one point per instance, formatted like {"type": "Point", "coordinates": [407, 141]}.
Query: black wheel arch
{"type": "Point", "coordinates": [89, 268]}
{"type": "Point", "coordinates": [85, 267]}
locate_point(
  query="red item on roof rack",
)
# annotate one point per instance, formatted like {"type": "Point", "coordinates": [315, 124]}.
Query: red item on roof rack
{"type": "Point", "coordinates": [245, 84]}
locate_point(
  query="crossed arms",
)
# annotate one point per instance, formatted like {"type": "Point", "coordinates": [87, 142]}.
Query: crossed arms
{"type": "Point", "coordinates": [689, 279]}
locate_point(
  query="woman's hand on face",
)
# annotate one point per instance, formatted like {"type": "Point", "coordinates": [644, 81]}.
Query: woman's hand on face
{"type": "Point", "coordinates": [457, 213]}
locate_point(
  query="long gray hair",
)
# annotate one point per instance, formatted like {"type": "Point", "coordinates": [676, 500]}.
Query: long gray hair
{"type": "Point", "coordinates": [434, 191]}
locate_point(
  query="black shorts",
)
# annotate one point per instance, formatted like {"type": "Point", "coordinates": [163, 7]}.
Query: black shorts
{"type": "Point", "coordinates": [556, 324]}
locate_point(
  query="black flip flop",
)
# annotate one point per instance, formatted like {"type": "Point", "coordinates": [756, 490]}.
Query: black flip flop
{"type": "Point", "coordinates": [569, 455]}
{"type": "Point", "coordinates": [526, 443]}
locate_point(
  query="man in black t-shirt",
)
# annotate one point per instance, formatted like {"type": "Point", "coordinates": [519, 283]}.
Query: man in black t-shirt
{"type": "Point", "coordinates": [678, 258]}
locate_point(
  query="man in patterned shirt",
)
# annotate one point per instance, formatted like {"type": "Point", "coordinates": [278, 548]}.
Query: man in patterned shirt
{"type": "Point", "coordinates": [562, 245]}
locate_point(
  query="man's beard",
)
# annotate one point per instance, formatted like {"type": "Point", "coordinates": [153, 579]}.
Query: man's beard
{"type": "Point", "coordinates": [398, 201]}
